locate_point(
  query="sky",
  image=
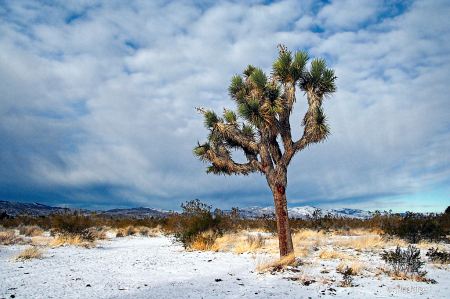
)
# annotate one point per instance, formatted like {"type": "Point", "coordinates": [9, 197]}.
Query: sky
{"type": "Point", "coordinates": [97, 101]}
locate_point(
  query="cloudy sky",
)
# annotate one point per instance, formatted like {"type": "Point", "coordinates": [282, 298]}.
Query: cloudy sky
{"type": "Point", "coordinates": [97, 101]}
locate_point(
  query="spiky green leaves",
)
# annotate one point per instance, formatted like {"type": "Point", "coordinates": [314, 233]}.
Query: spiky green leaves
{"type": "Point", "coordinates": [210, 119]}
{"type": "Point", "coordinates": [316, 127]}
{"type": "Point", "coordinates": [288, 68]}
{"type": "Point", "coordinates": [200, 151]}
{"type": "Point", "coordinates": [259, 79]}
{"type": "Point", "coordinates": [250, 112]}
{"type": "Point", "coordinates": [321, 127]}
{"type": "Point", "coordinates": [248, 131]}
{"type": "Point", "coordinates": [319, 79]}
{"type": "Point", "coordinates": [237, 89]}
{"type": "Point", "coordinates": [229, 116]}
{"type": "Point", "coordinates": [249, 71]}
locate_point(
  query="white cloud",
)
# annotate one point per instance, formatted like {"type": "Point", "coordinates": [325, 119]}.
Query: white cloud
{"type": "Point", "coordinates": [108, 98]}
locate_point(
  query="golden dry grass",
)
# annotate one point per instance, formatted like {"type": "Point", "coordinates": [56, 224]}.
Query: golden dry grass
{"type": "Point", "coordinates": [361, 242]}
{"type": "Point", "coordinates": [70, 240]}
{"type": "Point", "coordinates": [301, 251]}
{"type": "Point", "coordinates": [397, 242]}
{"type": "Point", "coordinates": [226, 242]}
{"type": "Point", "coordinates": [330, 253]}
{"type": "Point", "coordinates": [203, 242]}
{"type": "Point", "coordinates": [308, 238]}
{"type": "Point", "coordinates": [264, 262]}
{"type": "Point", "coordinates": [30, 231]}
{"type": "Point", "coordinates": [200, 245]}
{"type": "Point", "coordinates": [155, 232]}
{"type": "Point", "coordinates": [41, 240]}
{"type": "Point", "coordinates": [355, 265]}
{"type": "Point", "coordinates": [29, 253]}
{"type": "Point", "coordinates": [7, 237]}
{"type": "Point", "coordinates": [252, 243]}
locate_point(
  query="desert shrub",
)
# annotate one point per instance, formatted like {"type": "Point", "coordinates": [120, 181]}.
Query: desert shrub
{"type": "Point", "coordinates": [437, 256]}
{"type": "Point", "coordinates": [195, 220]}
{"type": "Point", "coordinates": [30, 231]}
{"type": "Point", "coordinates": [347, 279]}
{"type": "Point", "coordinates": [6, 237]}
{"type": "Point", "coordinates": [404, 262]}
{"type": "Point", "coordinates": [143, 231]}
{"type": "Point", "coordinates": [73, 225]}
{"type": "Point", "coordinates": [29, 253]}
{"type": "Point", "coordinates": [130, 231]}
{"type": "Point", "coordinates": [415, 227]}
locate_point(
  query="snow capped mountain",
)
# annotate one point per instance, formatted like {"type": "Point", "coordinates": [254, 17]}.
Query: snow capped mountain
{"type": "Point", "coordinates": [304, 211]}
{"type": "Point", "coordinates": [301, 212]}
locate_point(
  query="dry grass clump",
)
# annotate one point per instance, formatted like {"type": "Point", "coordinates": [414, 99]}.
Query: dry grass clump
{"type": "Point", "coordinates": [130, 231]}
{"type": "Point", "coordinates": [226, 242]}
{"type": "Point", "coordinates": [29, 253]}
{"type": "Point", "coordinates": [330, 253]}
{"type": "Point", "coordinates": [143, 231]}
{"type": "Point", "coordinates": [100, 235]}
{"type": "Point", "coordinates": [362, 242]}
{"type": "Point", "coordinates": [264, 262]}
{"type": "Point", "coordinates": [251, 244]}
{"type": "Point", "coordinates": [205, 241]}
{"type": "Point", "coordinates": [301, 251]}
{"type": "Point", "coordinates": [397, 242]}
{"type": "Point", "coordinates": [147, 231]}
{"type": "Point", "coordinates": [140, 230]}
{"type": "Point", "coordinates": [39, 240]}
{"type": "Point", "coordinates": [309, 234]}
{"type": "Point", "coordinates": [30, 231]}
{"type": "Point", "coordinates": [71, 240]}
{"type": "Point", "coordinates": [125, 232]}
{"type": "Point", "coordinates": [8, 237]}
{"type": "Point", "coordinates": [309, 237]}
{"type": "Point", "coordinates": [355, 265]}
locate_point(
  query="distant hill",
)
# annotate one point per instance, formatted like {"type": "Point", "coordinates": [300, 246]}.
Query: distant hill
{"type": "Point", "coordinates": [137, 213]}
{"type": "Point", "coordinates": [37, 209]}
{"type": "Point", "coordinates": [15, 208]}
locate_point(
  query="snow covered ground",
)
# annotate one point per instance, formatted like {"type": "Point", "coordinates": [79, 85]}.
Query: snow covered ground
{"type": "Point", "coordinates": [144, 267]}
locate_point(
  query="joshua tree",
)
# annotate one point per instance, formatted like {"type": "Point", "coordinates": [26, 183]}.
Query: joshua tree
{"type": "Point", "coordinates": [265, 105]}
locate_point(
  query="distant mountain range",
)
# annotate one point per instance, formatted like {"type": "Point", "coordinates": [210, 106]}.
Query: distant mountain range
{"type": "Point", "coordinates": [304, 211]}
{"type": "Point", "coordinates": [37, 209]}
{"type": "Point", "coordinates": [15, 208]}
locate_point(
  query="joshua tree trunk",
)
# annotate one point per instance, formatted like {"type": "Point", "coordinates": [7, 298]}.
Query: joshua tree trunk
{"type": "Point", "coordinates": [277, 184]}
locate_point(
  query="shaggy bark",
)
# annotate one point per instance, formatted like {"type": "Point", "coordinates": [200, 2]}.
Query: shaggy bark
{"type": "Point", "coordinates": [278, 187]}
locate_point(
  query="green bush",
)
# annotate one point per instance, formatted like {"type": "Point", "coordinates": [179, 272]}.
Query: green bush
{"type": "Point", "coordinates": [437, 256]}
{"type": "Point", "coordinates": [404, 262]}
{"type": "Point", "coordinates": [195, 220]}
